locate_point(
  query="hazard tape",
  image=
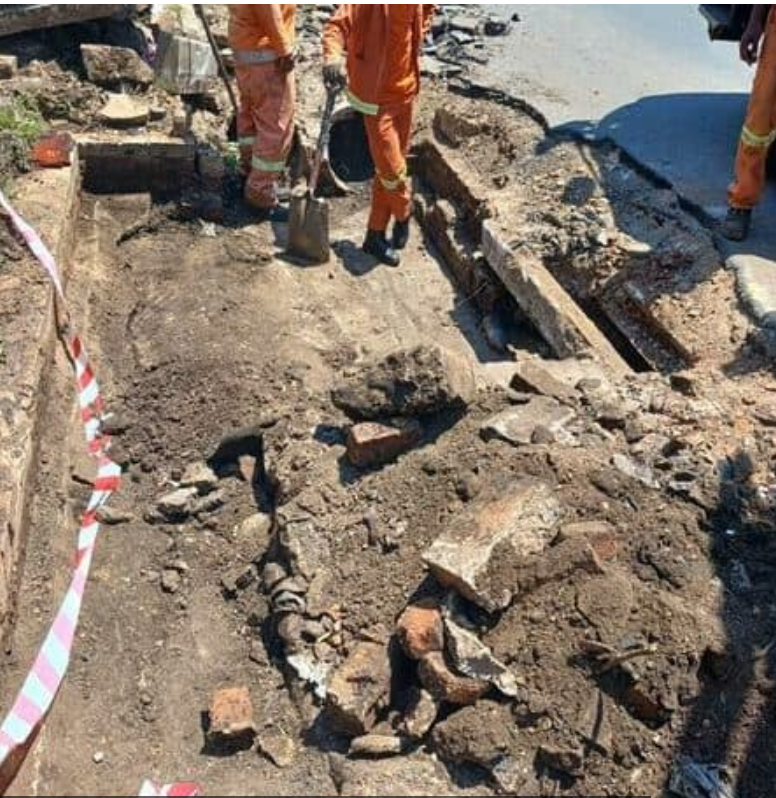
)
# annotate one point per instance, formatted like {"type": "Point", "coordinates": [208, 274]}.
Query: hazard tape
{"type": "Point", "coordinates": [44, 680]}
{"type": "Point", "coordinates": [151, 789]}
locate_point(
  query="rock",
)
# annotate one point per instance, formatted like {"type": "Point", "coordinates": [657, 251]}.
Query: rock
{"type": "Point", "coordinates": [9, 64]}
{"type": "Point", "coordinates": [468, 23]}
{"type": "Point", "coordinates": [612, 416]}
{"type": "Point", "coordinates": [231, 714]}
{"type": "Point", "coordinates": [605, 602]}
{"type": "Point", "coordinates": [255, 528]}
{"type": "Point", "coordinates": [570, 761]}
{"type": "Point", "coordinates": [471, 657]}
{"type": "Point", "coordinates": [278, 747]}
{"type": "Point", "coordinates": [420, 631]}
{"type": "Point", "coordinates": [635, 470]}
{"type": "Point", "coordinates": [112, 516]}
{"type": "Point", "coordinates": [208, 503]}
{"type": "Point", "coordinates": [379, 745]}
{"type": "Point", "coordinates": [238, 579]}
{"type": "Point", "coordinates": [111, 66]}
{"type": "Point", "coordinates": [201, 477]}
{"type": "Point", "coordinates": [756, 278]}
{"type": "Point", "coordinates": [517, 425]}
{"type": "Point", "coordinates": [497, 26]}
{"type": "Point", "coordinates": [455, 128]}
{"type": "Point", "coordinates": [272, 575]}
{"type": "Point", "coordinates": [177, 506]}
{"type": "Point", "coordinates": [530, 377]}
{"type": "Point", "coordinates": [421, 714]}
{"type": "Point", "coordinates": [765, 413]}
{"type": "Point", "coordinates": [171, 580]}
{"type": "Point", "coordinates": [407, 383]}
{"type": "Point", "coordinates": [122, 111]}
{"type": "Point", "coordinates": [481, 735]}
{"type": "Point", "coordinates": [446, 686]}
{"type": "Point", "coordinates": [290, 630]}
{"type": "Point", "coordinates": [685, 382]}
{"type": "Point", "coordinates": [305, 544]}
{"type": "Point", "coordinates": [417, 775]}
{"type": "Point", "coordinates": [601, 535]}
{"type": "Point", "coordinates": [115, 424]}
{"type": "Point", "coordinates": [359, 688]}
{"type": "Point", "coordinates": [519, 521]}
{"type": "Point", "coordinates": [371, 444]}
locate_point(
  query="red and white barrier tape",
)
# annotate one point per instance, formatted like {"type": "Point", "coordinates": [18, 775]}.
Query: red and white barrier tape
{"type": "Point", "coordinates": [152, 790]}
{"type": "Point", "coordinates": [48, 672]}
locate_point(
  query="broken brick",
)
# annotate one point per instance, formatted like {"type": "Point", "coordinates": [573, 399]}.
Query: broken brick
{"type": "Point", "coordinates": [231, 714]}
{"type": "Point", "coordinates": [420, 631]}
{"type": "Point", "coordinates": [372, 444]}
{"type": "Point", "coordinates": [447, 686]}
{"type": "Point", "coordinates": [360, 688]}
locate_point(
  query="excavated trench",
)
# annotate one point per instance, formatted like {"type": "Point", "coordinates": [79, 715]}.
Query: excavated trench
{"type": "Point", "coordinates": [213, 350]}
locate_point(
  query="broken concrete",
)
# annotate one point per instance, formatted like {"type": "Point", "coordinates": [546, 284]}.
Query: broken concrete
{"type": "Point", "coordinates": [757, 286]}
{"type": "Point", "coordinates": [359, 689]}
{"type": "Point", "coordinates": [407, 383]}
{"type": "Point", "coordinates": [533, 377]}
{"type": "Point", "coordinates": [113, 66]}
{"type": "Point", "coordinates": [371, 444]}
{"type": "Point", "coordinates": [122, 112]}
{"type": "Point", "coordinates": [520, 520]}
{"type": "Point", "coordinates": [518, 425]}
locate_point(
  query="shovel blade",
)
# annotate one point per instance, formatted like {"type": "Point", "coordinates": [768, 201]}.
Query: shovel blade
{"type": "Point", "coordinates": [308, 230]}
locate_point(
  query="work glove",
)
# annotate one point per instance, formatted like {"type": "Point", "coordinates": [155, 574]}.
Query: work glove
{"type": "Point", "coordinates": [334, 75]}
{"type": "Point", "coordinates": [285, 64]}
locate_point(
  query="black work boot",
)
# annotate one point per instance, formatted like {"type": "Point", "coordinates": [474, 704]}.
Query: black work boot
{"type": "Point", "coordinates": [736, 224]}
{"type": "Point", "coordinates": [376, 244]}
{"type": "Point", "coordinates": [401, 234]}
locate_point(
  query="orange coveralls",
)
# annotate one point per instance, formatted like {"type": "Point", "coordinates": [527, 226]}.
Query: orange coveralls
{"type": "Point", "coordinates": [383, 43]}
{"type": "Point", "coordinates": [759, 131]}
{"type": "Point", "coordinates": [259, 35]}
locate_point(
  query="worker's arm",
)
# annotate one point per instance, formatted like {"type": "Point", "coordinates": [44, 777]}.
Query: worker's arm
{"type": "Point", "coordinates": [269, 18]}
{"type": "Point", "coordinates": [336, 35]}
{"type": "Point", "coordinates": [429, 9]}
{"type": "Point", "coordinates": [750, 41]}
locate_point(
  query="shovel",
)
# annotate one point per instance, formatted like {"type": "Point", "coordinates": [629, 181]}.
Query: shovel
{"type": "Point", "coordinates": [308, 230]}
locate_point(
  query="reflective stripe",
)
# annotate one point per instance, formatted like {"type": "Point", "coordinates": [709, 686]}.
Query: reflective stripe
{"type": "Point", "coordinates": [753, 140]}
{"type": "Point", "coordinates": [267, 166]}
{"type": "Point", "coordinates": [365, 108]}
{"type": "Point", "coordinates": [246, 141]}
{"type": "Point", "coordinates": [394, 182]}
{"type": "Point", "coordinates": [252, 57]}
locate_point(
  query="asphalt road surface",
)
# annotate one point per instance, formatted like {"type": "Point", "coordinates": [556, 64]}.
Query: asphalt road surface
{"type": "Point", "coordinates": [645, 76]}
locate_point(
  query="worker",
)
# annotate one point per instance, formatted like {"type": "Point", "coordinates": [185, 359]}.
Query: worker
{"type": "Point", "coordinates": [374, 49]}
{"type": "Point", "coordinates": [758, 45]}
{"type": "Point", "coordinates": [262, 38]}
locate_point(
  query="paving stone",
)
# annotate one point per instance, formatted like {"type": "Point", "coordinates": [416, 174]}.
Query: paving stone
{"type": "Point", "coordinates": [519, 520]}
{"type": "Point", "coordinates": [756, 278]}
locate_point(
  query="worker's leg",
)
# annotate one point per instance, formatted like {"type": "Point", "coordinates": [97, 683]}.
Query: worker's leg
{"type": "Point", "coordinates": [389, 134]}
{"type": "Point", "coordinates": [273, 121]}
{"type": "Point", "coordinates": [758, 132]}
{"type": "Point", "coordinates": [246, 132]}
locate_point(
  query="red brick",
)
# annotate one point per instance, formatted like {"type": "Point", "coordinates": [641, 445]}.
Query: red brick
{"type": "Point", "coordinates": [374, 444]}
{"type": "Point", "coordinates": [420, 631]}
{"type": "Point", "coordinates": [231, 713]}
{"type": "Point", "coordinates": [447, 686]}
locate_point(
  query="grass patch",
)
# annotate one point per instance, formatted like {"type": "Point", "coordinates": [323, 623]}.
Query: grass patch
{"type": "Point", "coordinates": [22, 119]}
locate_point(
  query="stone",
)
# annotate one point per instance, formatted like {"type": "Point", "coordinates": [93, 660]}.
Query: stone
{"type": "Point", "coordinates": [171, 580]}
{"type": "Point", "coordinates": [407, 383]}
{"type": "Point", "coordinates": [481, 735]}
{"type": "Point", "coordinates": [497, 26]}
{"type": "Point", "coordinates": [756, 279]}
{"type": "Point", "coordinates": [417, 775]}
{"type": "Point", "coordinates": [112, 516]}
{"type": "Point", "coordinates": [517, 424]}
{"type": "Point", "coordinates": [199, 476]}
{"type": "Point", "coordinates": [635, 470]}
{"type": "Point", "coordinates": [359, 688]}
{"type": "Point", "coordinates": [518, 521]}
{"type": "Point", "coordinates": [9, 64]}
{"type": "Point", "coordinates": [601, 536]}
{"type": "Point", "coordinates": [278, 747]}
{"type": "Point", "coordinates": [111, 66]}
{"type": "Point", "coordinates": [468, 23]}
{"type": "Point", "coordinates": [371, 444]}
{"type": "Point", "coordinates": [272, 575]}
{"type": "Point", "coordinates": [379, 745]}
{"type": "Point", "coordinates": [231, 714]}
{"type": "Point", "coordinates": [176, 506]}
{"type": "Point", "coordinates": [454, 127]}
{"type": "Point", "coordinates": [446, 686]}
{"type": "Point", "coordinates": [570, 761]}
{"type": "Point", "coordinates": [305, 544]}
{"type": "Point", "coordinates": [239, 579]}
{"type": "Point", "coordinates": [256, 527]}
{"type": "Point", "coordinates": [421, 714]}
{"type": "Point", "coordinates": [531, 377]}
{"type": "Point", "coordinates": [122, 111]}
{"type": "Point", "coordinates": [471, 657]}
{"type": "Point", "coordinates": [420, 631]}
